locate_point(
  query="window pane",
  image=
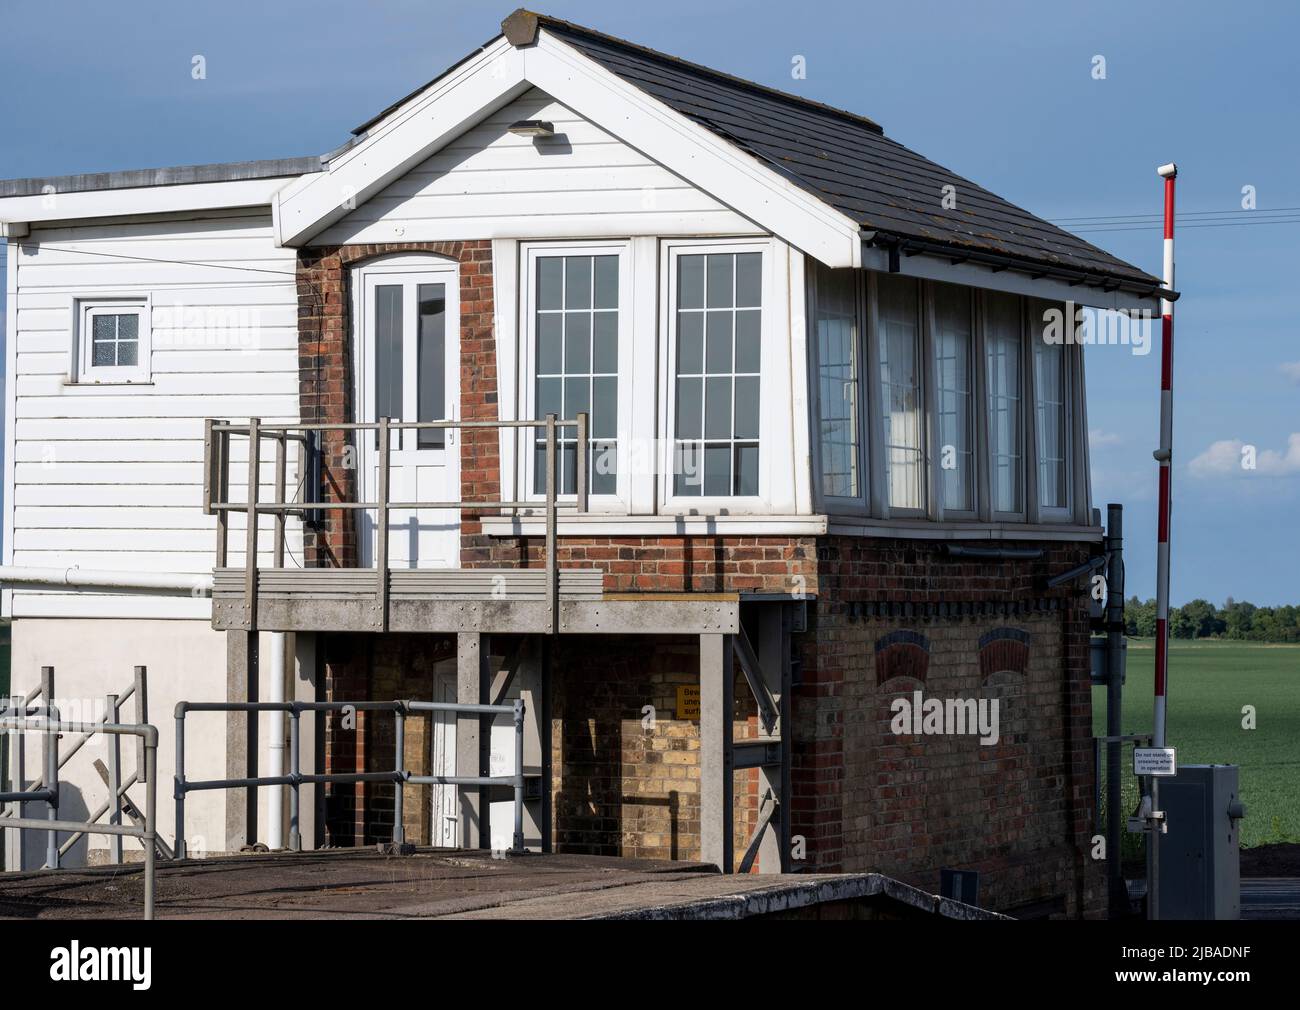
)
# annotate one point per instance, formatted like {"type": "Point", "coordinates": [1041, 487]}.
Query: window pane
{"type": "Point", "coordinates": [128, 327]}
{"type": "Point", "coordinates": [550, 282]}
{"type": "Point", "coordinates": [749, 327]}
{"type": "Point", "coordinates": [720, 283]}
{"type": "Point", "coordinates": [900, 379]}
{"type": "Point", "coordinates": [749, 279]}
{"type": "Point", "coordinates": [717, 469]}
{"type": "Point", "coordinates": [604, 408]}
{"type": "Point", "coordinates": [952, 353]}
{"type": "Point", "coordinates": [431, 354]}
{"type": "Point", "coordinates": [388, 351]}
{"type": "Point", "coordinates": [717, 354]}
{"type": "Point", "coordinates": [690, 343]}
{"type": "Point", "coordinates": [577, 343]}
{"type": "Point", "coordinates": [1049, 381]}
{"type": "Point", "coordinates": [606, 296]}
{"type": "Point", "coordinates": [605, 343]}
{"type": "Point", "coordinates": [102, 352]}
{"type": "Point", "coordinates": [690, 282]}
{"type": "Point", "coordinates": [746, 406]}
{"type": "Point", "coordinates": [577, 282]}
{"type": "Point", "coordinates": [747, 469]}
{"type": "Point", "coordinates": [690, 407]}
{"type": "Point", "coordinates": [604, 469]}
{"type": "Point", "coordinates": [126, 352]}
{"type": "Point", "coordinates": [1002, 340]}
{"type": "Point", "coordinates": [104, 328]}
{"type": "Point", "coordinates": [717, 407]}
{"type": "Point", "coordinates": [577, 398]}
{"type": "Point", "coordinates": [550, 396]}
{"type": "Point", "coordinates": [836, 333]}
{"type": "Point", "coordinates": [550, 332]}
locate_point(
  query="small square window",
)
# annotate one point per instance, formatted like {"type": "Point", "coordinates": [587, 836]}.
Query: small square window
{"type": "Point", "coordinates": [112, 341]}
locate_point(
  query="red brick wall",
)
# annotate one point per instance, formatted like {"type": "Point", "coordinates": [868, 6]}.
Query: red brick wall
{"type": "Point", "coordinates": [865, 798]}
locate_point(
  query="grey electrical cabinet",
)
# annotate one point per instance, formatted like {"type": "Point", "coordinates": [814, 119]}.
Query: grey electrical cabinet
{"type": "Point", "coordinates": [1200, 865]}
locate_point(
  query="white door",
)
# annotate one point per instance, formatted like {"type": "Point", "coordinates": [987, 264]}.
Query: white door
{"type": "Point", "coordinates": [408, 368]}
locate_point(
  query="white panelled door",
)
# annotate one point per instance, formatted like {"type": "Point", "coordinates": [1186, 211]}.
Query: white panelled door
{"type": "Point", "coordinates": [407, 328]}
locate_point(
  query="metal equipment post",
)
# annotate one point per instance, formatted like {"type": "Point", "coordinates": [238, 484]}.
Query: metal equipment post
{"type": "Point", "coordinates": [178, 851]}
{"type": "Point", "coordinates": [114, 780]}
{"type": "Point", "coordinates": [399, 775]}
{"type": "Point", "coordinates": [519, 776]}
{"type": "Point", "coordinates": [295, 767]}
{"type": "Point", "coordinates": [1118, 892]}
{"type": "Point", "coordinates": [51, 753]}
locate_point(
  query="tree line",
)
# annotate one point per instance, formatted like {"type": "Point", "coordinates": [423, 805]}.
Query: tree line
{"type": "Point", "coordinates": [1241, 621]}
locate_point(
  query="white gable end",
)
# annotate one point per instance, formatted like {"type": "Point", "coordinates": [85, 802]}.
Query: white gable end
{"type": "Point", "coordinates": [489, 183]}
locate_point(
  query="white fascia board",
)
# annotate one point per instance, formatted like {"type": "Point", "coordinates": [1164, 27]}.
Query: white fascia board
{"type": "Point", "coordinates": [697, 155]}
{"type": "Point", "coordinates": [976, 275]}
{"type": "Point", "coordinates": [143, 200]}
{"type": "Point", "coordinates": [445, 110]}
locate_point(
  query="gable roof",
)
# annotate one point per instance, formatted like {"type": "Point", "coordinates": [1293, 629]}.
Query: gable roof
{"type": "Point", "coordinates": [847, 161]}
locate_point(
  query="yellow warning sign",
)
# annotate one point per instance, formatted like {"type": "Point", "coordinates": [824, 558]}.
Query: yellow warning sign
{"type": "Point", "coordinates": [688, 701]}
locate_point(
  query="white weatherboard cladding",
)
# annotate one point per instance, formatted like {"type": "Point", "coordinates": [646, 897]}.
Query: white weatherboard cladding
{"type": "Point", "coordinates": [111, 476]}
{"type": "Point", "coordinates": [489, 183]}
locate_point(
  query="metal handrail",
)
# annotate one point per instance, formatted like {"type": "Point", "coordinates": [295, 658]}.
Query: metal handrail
{"type": "Point", "coordinates": [398, 776]}
{"type": "Point", "coordinates": [147, 833]}
{"type": "Point", "coordinates": [216, 485]}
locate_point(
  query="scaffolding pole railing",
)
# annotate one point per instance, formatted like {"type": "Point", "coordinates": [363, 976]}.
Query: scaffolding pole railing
{"type": "Point", "coordinates": [399, 775]}
{"type": "Point", "coordinates": [147, 832]}
{"type": "Point", "coordinates": [216, 489]}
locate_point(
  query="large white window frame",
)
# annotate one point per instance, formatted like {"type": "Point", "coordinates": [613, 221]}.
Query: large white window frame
{"type": "Point", "coordinates": [530, 255]}
{"type": "Point", "coordinates": [87, 313]}
{"type": "Point", "coordinates": [774, 377]}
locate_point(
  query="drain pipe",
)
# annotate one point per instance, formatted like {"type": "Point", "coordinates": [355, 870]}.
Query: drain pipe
{"type": "Point", "coordinates": [78, 578]}
{"type": "Point", "coordinates": [275, 747]}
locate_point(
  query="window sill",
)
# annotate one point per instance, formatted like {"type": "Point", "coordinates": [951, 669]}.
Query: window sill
{"type": "Point", "coordinates": [659, 525]}
{"type": "Point", "coordinates": [924, 529]}
{"type": "Point", "coordinates": [90, 383]}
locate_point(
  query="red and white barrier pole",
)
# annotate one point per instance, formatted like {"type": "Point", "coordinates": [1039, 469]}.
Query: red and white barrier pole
{"type": "Point", "coordinates": [1164, 455]}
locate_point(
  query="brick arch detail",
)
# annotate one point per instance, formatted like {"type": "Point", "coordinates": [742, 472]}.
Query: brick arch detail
{"type": "Point", "coordinates": [902, 653]}
{"type": "Point", "coordinates": [1003, 650]}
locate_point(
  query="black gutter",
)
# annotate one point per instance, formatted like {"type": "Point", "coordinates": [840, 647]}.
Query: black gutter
{"type": "Point", "coordinates": [909, 246]}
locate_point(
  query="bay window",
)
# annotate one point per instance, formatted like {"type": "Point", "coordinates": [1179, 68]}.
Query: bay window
{"type": "Point", "coordinates": [970, 415]}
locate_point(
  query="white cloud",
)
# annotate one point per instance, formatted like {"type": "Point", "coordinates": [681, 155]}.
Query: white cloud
{"type": "Point", "coordinates": [1291, 369]}
{"type": "Point", "coordinates": [1225, 458]}
{"type": "Point", "coordinates": [1098, 438]}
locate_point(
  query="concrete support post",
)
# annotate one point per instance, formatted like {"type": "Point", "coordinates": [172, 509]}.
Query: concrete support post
{"type": "Point", "coordinates": [311, 743]}
{"type": "Point", "coordinates": [241, 737]}
{"type": "Point", "coordinates": [717, 785]}
{"type": "Point", "coordinates": [774, 659]}
{"type": "Point", "coordinates": [471, 687]}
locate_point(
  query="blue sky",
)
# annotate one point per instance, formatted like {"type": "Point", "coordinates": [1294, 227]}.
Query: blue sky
{"type": "Point", "coordinates": [1002, 93]}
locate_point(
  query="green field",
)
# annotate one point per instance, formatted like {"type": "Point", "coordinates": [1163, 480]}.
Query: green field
{"type": "Point", "coordinates": [1209, 684]}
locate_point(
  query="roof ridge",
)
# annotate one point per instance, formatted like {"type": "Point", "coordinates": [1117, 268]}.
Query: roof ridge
{"type": "Point", "coordinates": [546, 20]}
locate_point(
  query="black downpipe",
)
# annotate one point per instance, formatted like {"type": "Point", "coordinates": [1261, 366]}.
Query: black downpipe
{"type": "Point", "coordinates": [1117, 889]}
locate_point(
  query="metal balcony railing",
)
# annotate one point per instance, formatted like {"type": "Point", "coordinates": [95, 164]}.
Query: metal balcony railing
{"type": "Point", "coordinates": [216, 487]}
